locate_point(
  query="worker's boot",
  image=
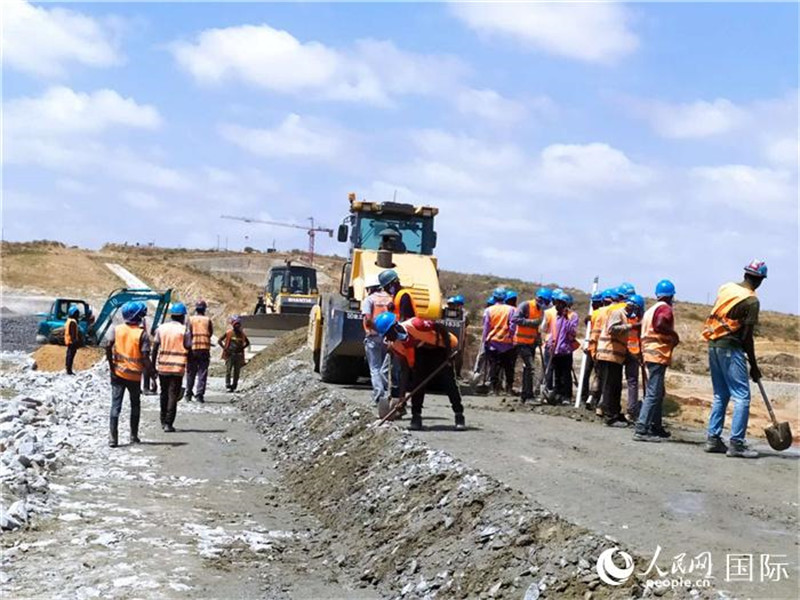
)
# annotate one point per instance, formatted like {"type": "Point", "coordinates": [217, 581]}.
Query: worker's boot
{"type": "Point", "coordinates": [460, 423]}
{"type": "Point", "coordinates": [739, 449]}
{"type": "Point", "coordinates": [113, 435]}
{"type": "Point", "coordinates": [416, 422]}
{"type": "Point", "coordinates": [715, 445]}
{"type": "Point", "coordinates": [135, 433]}
{"type": "Point", "coordinates": [660, 432]}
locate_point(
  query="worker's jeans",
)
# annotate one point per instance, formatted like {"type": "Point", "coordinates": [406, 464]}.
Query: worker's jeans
{"type": "Point", "coordinates": [197, 368]}
{"type": "Point", "coordinates": [118, 387]}
{"type": "Point", "coordinates": [502, 361]}
{"type": "Point", "coordinates": [587, 376]}
{"type": "Point", "coordinates": [611, 377]}
{"type": "Point", "coordinates": [170, 392]}
{"type": "Point", "coordinates": [233, 366]}
{"type": "Point", "coordinates": [632, 367]}
{"type": "Point", "coordinates": [528, 355]}
{"type": "Point", "coordinates": [730, 380]}
{"type": "Point", "coordinates": [375, 350]}
{"type": "Point", "coordinates": [548, 377]}
{"type": "Point", "coordinates": [72, 350]}
{"type": "Point", "coordinates": [426, 361]}
{"type": "Point", "coordinates": [653, 405]}
{"type": "Point", "coordinates": [562, 375]}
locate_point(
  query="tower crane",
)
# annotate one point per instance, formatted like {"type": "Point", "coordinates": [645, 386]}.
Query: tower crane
{"type": "Point", "coordinates": [312, 230]}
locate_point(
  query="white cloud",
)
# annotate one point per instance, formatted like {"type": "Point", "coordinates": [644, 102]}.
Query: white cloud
{"type": "Point", "coordinates": [504, 255]}
{"type": "Point", "coordinates": [490, 105]}
{"type": "Point", "coordinates": [295, 137]}
{"type": "Point", "coordinates": [43, 42]}
{"type": "Point", "coordinates": [768, 193]}
{"type": "Point", "coordinates": [73, 186]}
{"type": "Point", "coordinates": [591, 32]}
{"type": "Point", "coordinates": [272, 59]}
{"type": "Point", "coordinates": [575, 168]}
{"type": "Point", "coordinates": [61, 111]}
{"type": "Point", "coordinates": [466, 151]}
{"type": "Point", "coordinates": [784, 152]}
{"type": "Point", "coordinates": [698, 119]}
{"type": "Point", "coordinates": [141, 200]}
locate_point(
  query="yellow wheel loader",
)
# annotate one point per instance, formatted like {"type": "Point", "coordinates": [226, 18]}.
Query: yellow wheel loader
{"type": "Point", "coordinates": [381, 236]}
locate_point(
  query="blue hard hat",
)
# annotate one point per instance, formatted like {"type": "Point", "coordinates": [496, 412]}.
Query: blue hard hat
{"type": "Point", "coordinates": [597, 297]}
{"type": "Point", "coordinates": [134, 311]}
{"type": "Point", "coordinates": [608, 294]}
{"type": "Point", "coordinates": [73, 311]}
{"type": "Point", "coordinates": [388, 276]}
{"type": "Point", "coordinates": [384, 322]}
{"type": "Point", "coordinates": [490, 301]}
{"type": "Point", "coordinates": [665, 288]}
{"type": "Point", "coordinates": [757, 267]}
{"type": "Point", "coordinates": [567, 298]}
{"type": "Point", "coordinates": [458, 299]}
{"type": "Point", "coordinates": [511, 295]}
{"type": "Point", "coordinates": [627, 289]}
{"type": "Point", "coordinates": [499, 294]}
{"type": "Point", "coordinates": [179, 308]}
{"type": "Point", "coordinates": [637, 301]}
{"type": "Point", "coordinates": [544, 294]}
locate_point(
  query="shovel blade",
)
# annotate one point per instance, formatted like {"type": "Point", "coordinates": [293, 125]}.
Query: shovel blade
{"type": "Point", "coordinates": [779, 436]}
{"type": "Point", "coordinates": [384, 408]}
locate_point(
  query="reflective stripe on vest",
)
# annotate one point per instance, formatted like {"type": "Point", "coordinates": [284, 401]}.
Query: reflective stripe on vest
{"type": "Point", "coordinates": [634, 346]}
{"type": "Point", "coordinates": [718, 324]}
{"type": "Point", "coordinates": [171, 353]}
{"type": "Point", "coordinates": [428, 335]}
{"type": "Point", "coordinates": [525, 335]}
{"type": "Point", "coordinates": [397, 298]}
{"type": "Point", "coordinates": [67, 337]}
{"type": "Point", "coordinates": [380, 304]}
{"type": "Point", "coordinates": [612, 348]}
{"type": "Point", "coordinates": [200, 326]}
{"type": "Point", "coordinates": [656, 347]}
{"type": "Point", "coordinates": [127, 352]}
{"type": "Point", "coordinates": [499, 323]}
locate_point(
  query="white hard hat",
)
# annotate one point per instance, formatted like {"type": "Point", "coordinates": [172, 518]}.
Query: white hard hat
{"type": "Point", "coordinates": [372, 281]}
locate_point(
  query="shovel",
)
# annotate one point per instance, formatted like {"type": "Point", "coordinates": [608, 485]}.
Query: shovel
{"type": "Point", "coordinates": [779, 435]}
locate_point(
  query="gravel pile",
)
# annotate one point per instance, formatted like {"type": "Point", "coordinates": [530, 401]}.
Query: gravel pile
{"type": "Point", "coordinates": [50, 416]}
{"type": "Point", "coordinates": [18, 332]}
{"type": "Point", "coordinates": [411, 521]}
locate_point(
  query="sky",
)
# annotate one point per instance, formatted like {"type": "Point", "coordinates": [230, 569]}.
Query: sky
{"type": "Point", "coordinates": [559, 141]}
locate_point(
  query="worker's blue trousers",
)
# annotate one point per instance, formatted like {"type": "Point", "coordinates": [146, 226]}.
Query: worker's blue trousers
{"type": "Point", "coordinates": [730, 380]}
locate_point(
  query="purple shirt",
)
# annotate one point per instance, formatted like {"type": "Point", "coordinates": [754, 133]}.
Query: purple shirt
{"type": "Point", "coordinates": [567, 328]}
{"type": "Point", "coordinates": [498, 346]}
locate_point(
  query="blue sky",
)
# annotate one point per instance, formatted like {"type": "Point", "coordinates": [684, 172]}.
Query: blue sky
{"type": "Point", "coordinates": [632, 141]}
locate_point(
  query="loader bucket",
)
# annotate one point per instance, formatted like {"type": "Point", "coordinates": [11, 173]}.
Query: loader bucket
{"type": "Point", "coordinates": [262, 329]}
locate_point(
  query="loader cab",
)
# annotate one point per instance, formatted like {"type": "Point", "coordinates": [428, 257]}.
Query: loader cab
{"type": "Point", "coordinates": [398, 228]}
{"type": "Point", "coordinates": [292, 280]}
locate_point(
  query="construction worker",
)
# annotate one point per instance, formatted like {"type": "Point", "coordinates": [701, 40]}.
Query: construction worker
{"type": "Point", "coordinates": [261, 306]}
{"type": "Point", "coordinates": [234, 343]}
{"type": "Point", "coordinates": [149, 384]}
{"type": "Point", "coordinates": [597, 302]}
{"type": "Point", "coordinates": [457, 303]}
{"type": "Point", "coordinates": [480, 373]}
{"type": "Point", "coordinates": [729, 330]}
{"type": "Point", "coordinates": [199, 330]}
{"type": "Point", "coordinates": [612, 348]}
{"type": "Point", "coordinates": [170, 357]}
{"type": "Point", "coordinates": [498, 340]}
{"type": "Point", "coordinates": [633, 360]}
{"type": "Point", "coordinates": [526, 320]}
{"type": "Point", "coordinates": [377, 302]}
{"type": "Point", "coordinates": [71, 337]}
{"type": "Point", "coordinates": [404, 308]}
{"type": "Point", "coordinates": [562, 343]}
{"type": "Point", "coordinates": [598, 379]}
{"type": "Point", "coordinates": [658, 340]}
{"type": "Point", "coordinates": [424, 345]}
{"type": "Point", "coordinates": [549, 317]}
{"type": "Point", "coordinates": [127, 354]}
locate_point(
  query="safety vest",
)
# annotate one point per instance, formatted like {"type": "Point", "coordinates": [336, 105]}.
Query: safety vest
{"type": "Point", "coordinates": [612, 348]}
{"type": "Point", "coordinates": [396, 301]}
{"type": "Point", "coordinates": [423, 333]}
{"type": "Point", "coordinates": [200, 326]}
{"type": "Point", "coordinates": [596, 320]}
{"type": "Point", "coordinates": [718, 324]}
{"type": "Point", "coordinates": [380, 304]}
{"type": "Point", "coordinates": [241, 338]}
{"type": "Point", "coordinates": [548, 318]}
{"type": "Point", "coordinates": [499, 323]}
{"type": "Point", "coordinates": [527, 336]}
{"type": "Point", "coordinates": [656, 347]}
{"type": "Point", "coordinates": [172, 355]}
{"type": "Point", "coordinates": [127, 353]}
{"type": "Point", "coordinates": [67, 335]}
{"type": "Point", "coordinates": [634, 345]}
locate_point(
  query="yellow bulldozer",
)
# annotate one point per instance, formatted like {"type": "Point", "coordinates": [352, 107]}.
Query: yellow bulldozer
{"type": "Point", "coordinates": [386, 235]}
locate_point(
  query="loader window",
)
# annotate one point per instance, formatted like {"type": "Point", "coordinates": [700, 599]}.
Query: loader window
{"type": "Point", "coordinates": [414, 234]}
{"type": "Point", "coordinates": [297, 281]}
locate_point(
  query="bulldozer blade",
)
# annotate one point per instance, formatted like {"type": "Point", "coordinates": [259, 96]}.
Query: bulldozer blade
{"type": "Point", "coordinates": [262, 329]}
{"type": "Point", "coordinates": [779, 436]}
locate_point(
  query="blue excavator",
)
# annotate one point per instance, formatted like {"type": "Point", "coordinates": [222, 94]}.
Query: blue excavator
{"type": "Point", "coordinates": [93, 329]}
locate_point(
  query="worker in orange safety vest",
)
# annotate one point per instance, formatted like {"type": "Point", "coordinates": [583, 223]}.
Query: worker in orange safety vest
{"type": "Point", "coordinates": [199, 330]}
{"type": "Point", "coordinates": [170, 357]}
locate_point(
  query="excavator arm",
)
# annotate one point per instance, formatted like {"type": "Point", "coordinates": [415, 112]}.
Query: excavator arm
{"type": "Point", "coordinates": [119, 297]}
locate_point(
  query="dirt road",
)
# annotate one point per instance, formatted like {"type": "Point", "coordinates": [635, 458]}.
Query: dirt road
{"type": "Point", "coordinates": [200, 513]}
{"type": "Point", "coordinates": [670, 495]}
